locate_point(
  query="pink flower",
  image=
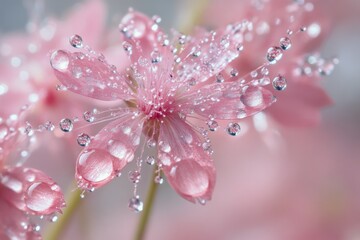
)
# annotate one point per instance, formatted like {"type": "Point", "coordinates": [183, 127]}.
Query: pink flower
{"type": "Point", "coordinates": [301, 104]}
{"type": "Point", "coordinates": [23, 191]}
{"type": "Point", "coordinates": [164, 91]}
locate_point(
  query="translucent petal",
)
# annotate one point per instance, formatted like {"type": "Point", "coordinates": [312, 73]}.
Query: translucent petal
{"type": "Point", "coordinates": [188, 168]}
{"type": "Point", "coordinates": [108, 153]}
{"type": "Point", "coordinates": [89, 76]}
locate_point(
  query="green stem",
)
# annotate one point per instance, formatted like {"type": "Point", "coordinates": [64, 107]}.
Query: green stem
{"type": "Point", "coordinates": [73, 201]}
{"type": "Point", "coordinates": [145, 216]}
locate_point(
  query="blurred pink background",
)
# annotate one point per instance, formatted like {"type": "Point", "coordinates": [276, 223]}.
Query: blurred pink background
{"type": "Point", "coordinates": [272, 183]}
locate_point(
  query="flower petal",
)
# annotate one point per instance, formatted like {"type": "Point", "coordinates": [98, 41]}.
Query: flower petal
{"type": "Point", "coordinates": [108, 153]}
{"type": "Point", "coordinates": [301, 104]}
{"type": "Point", "coordinates": [145, 42]}
{"type": "Point", "coordinates": [15, 224]}
{"type": "Point", "coordinates": [32, 191]}
{"type": "Point", "coordinates": [206, 55]}
{"type": "Point", "coordinates": [227, 100]}
{"type": "Point", "coordinates": [89, 75]}
{"type": "Point", "coordinates": [188, 168]}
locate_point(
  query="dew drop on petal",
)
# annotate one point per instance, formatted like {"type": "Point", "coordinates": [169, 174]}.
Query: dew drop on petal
{"type": "Point", "coordinates": [41, 198]}
{"type": "Point", "coordinates": [89, 116]}
{"type": "Point", "coordinates": [279, 83]}
{"type": "Point", "coordinates": [76, 41]}
{"type": "Point", "coordinates": [66, 125]}
{"type": "Point", "coordinates": [234, 72]}
{"type": "Point", "coordinates": [219, 78]}
{"type": "Point", "coordinates": [213, 125]}
{"type": "Point", "coordinates": [150, 160]}
{"type": "Point", "coordinates": [151, 143]}
{"type": "Point", "coordinates": [49, 126]}
{"type": "Point", "coordinates": [189, 178]}
{"type": "Point", "coordinates": [285, 43]}
{"type": "Point", "coordinates": [233, 129]}
{"type": "Point", "coordinates": [135, 204]}
{"type": "Point", "coordinates": [274, 54]}
{"type": "Point", "coordinates": [83, 139]}
{"type": "Point", "coordinates": [252, 97]}
{"type": "Point", "coordinates": [156, 57]}
{"type": "Point", "coordinates": [59, 60]}
{"type": "Point", "coordinates": [95, 166]}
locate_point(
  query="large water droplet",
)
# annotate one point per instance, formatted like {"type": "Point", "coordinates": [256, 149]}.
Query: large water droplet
{"type": "Point", "coordinates": [189, 178]}
{"type": "Point", "coordinates": [233, 129]}
{"type": "Point", "coordinates": [83, 139]}
{"type": "Point", "coordinates": [136, 204]}
{"type": "Point", "coordinates": [95, 166]}
{"type": "Point", "coordinates": [252, 97]}
{"type": "Point", "coordinates": [76, 41]}
{"type": "Point", "coordinates": [41, 198]}
{"type": "Point", "coordinates": [66, 125]}
{"type": "Point", "coordinates": [59, 60]}
{"type": "Point", "coordinates": [279, 83]}
{"type": "Point", "coordinates": [274, 54]}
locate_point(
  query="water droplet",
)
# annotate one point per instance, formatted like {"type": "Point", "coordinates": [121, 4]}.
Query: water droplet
{"type": "Point", "coordinates": [196, 52]}
{"type": "Point", "coordinates": [192, 82]}
{"type": "Point", "coordinates": [151, 143]}
{"type": "Point", "coordinates": [240, 47]}
{"type": "Point", "coordinates": [59, 60]}
{"type": "Point", "coordinates": [234, 72]}
{"type": "Point", "coordinates": [76, 41]}
{"type": "Point", "coordinates": [49, 126]}
{"type": "Point", "coordinates": [279, 83]}
{"type": "Point", "coordinates": [136, 204]}
{"type": "Point", "coordinates": [182, 39]}
{"type": "Point", "coordinates": [66, 125]}
{"type": "Point", "coordinates": [134, 176]}
{"type": "Point", "coordinates": [127, 47]}
{"type": "Point", "coordinates": [264, 71]}
{"type": "Point", "coordinates": [159, 180]}
{"type": "Point", "coordinates": [285, 43]}
{"type": "Point", "coordinates": [233, 129]}
{"type": "Point", "coordinates": [3, 132]}
{"type": "Point", "coordinates": [150, 160]}
{"type": "Point", "coordinates": [89, 116]}
{"type": "Point", "coordinates": [213, 125]}
{"type": "Point", "coordinates": [274, 54]}
{"type": "Point", "coordinates": [220, 78]}
{"type": "Point", "coordinates": [156, 57]}
{"type": "Point", "coordinates": [83, 139]}
{"type": "Point", "coordinates": [77, 72]}
{"type": "Point", "coordinates": [165, 147]}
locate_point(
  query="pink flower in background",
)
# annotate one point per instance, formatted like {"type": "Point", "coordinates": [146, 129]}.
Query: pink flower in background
{"type": "Point", "coordinates": [164, 88]}
{"type": "Point", "coordinates": [23, 191]}
{"type": "Point", "coordinates": [301, 104]}
{"type": "Point", "coordinates": [26, 76]}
